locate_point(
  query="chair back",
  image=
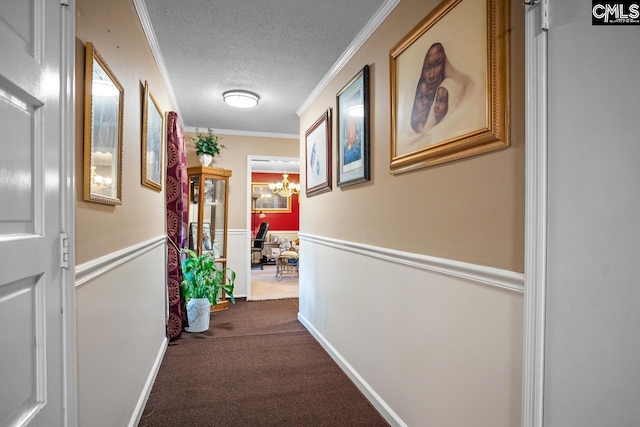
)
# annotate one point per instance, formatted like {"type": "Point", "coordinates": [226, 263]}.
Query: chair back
{"type": "Point", "coordinates": [258, 242]}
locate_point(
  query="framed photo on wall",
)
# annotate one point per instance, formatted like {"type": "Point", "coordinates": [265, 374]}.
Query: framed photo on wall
{"type": "Point", "coordinates": [353, 130]}
{"type": "Point", "coordinates": [267, 201]}
{"type": "Point", "coordinates": [318, 156]}
{"type": "Point", "coordinates": [103, 130]}
{"type": "Point", "coordinates": [152, 141]}
{"type": "Point", "coordinates": [450, 85]}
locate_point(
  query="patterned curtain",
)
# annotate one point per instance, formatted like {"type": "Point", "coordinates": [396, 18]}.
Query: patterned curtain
{"type": "Point", "coordinates": [177, 205]}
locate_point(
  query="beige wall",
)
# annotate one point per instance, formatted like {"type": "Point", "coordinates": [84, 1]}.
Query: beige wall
{"type": "Point", "coordinates": [471, 210]}
{"type": "Point", "coordinates": [119, 305]}
{"type": "Point", "coordinates": [234, 157]}
{"type": "Point", "coordinates": [116, 32]}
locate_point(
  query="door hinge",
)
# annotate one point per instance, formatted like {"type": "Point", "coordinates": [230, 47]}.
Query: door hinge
{"type": "Point", "coordinates": [64, 250]}
{"type": "Point", "coordinates": [544, 11]}
{"type": "Point", "coordinates": [64, 2]}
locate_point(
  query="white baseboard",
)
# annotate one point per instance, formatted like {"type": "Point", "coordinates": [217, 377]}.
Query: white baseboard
{"type": "Point", "coordinates": [142, 401]}
{"type": "Point", "coordinates": [385, 410]}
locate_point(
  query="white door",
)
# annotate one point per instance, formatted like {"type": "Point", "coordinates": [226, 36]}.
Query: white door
{"type": "Point", "coordinates": [33, 94]}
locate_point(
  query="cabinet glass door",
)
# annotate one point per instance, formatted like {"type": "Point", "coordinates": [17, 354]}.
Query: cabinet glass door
{"type": "Point", "coordinates": [214, 210]}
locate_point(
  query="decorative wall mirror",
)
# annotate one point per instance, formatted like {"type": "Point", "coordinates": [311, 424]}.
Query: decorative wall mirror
{"type": "Point", "coordinates": [103, 112]}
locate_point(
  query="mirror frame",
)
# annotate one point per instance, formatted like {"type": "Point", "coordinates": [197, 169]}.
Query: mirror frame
{"type": "Point", "coordinates": [89, 93]}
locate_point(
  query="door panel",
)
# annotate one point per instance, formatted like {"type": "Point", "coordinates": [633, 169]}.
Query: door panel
{"type": "Point", "coordinates": [31, 353]}
{"type": "Point", "coordinates": [16, 178]}
{"type": "Point", "coordinates": [19, 308]}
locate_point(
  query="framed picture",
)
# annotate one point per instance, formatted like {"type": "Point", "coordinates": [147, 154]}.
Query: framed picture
{"type": "Point", "coordinates": [318, 155]}
{"type": "Point", "coordinates": [267, 201]}
{"type": "Point", "coordinates": [195, 192]}
{"type": "Point", "coordinates": [152, 141]}
{"type": "Point", "coordinates": [353, 130]}
{"type": "Point", "coordinates": [206, 236]}
{"type": "Point", "coordinates": [103, 115]}
{"type": "Point", "coordinates": [193, 235]}
{"type": "Point", "coordinates": [450, 85]}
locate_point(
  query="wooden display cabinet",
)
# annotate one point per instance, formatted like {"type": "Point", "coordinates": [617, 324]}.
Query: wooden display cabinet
{"type": "Point", "coordinates": [208, 212]}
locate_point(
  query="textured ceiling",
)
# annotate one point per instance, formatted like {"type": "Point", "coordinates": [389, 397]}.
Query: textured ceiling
{"type": "Point", "coordinates": [278, 49]}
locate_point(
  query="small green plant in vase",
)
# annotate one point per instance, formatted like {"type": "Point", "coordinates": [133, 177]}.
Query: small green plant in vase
{"type": "Point", "coordinates": [207, 146]}
{"type": "Point", "coordinates": [202, 282]}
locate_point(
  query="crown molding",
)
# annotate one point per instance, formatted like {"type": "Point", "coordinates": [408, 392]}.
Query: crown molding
{"type": "Point", "coordinates": [157, 54]}
{"type": "Point", "coordinates": [355, 45]}
{"type": "Point", "coordinates": [248, 133]}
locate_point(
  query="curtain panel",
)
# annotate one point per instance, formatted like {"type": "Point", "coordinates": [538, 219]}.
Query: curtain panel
{"type": "Point", "coordinates": [177, 206]}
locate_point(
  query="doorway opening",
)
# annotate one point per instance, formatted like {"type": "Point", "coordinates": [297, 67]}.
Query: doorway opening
{"type": "Point", "coordinates": [267, 276]}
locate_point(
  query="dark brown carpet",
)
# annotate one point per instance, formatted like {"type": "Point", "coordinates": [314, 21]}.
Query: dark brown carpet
{"type": "Point", "coordinates": [256, 366]}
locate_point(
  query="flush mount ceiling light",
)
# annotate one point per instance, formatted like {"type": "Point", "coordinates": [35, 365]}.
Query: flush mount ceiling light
{"type": "Point", "coordinates": [240, 98]}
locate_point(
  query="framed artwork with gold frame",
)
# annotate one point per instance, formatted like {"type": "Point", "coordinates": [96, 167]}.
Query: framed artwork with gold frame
{"type": "Point", "coordinates": [103, 115]}
{"type": "Point", "coordinates": [450, 85]}
{"type": "Point", "coordinates": [267, 201]}
{"type": "Point", "coordinates": [152, 141]}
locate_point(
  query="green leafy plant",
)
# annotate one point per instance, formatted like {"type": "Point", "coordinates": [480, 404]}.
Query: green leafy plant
{"type": "Point", "coordinates": [207, 143]}
{"type": "Point", "coordinates": [203, 279]}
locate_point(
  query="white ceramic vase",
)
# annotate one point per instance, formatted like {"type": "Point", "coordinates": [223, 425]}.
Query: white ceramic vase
{"type": "Point", "coordinates": [205, 159]}
{"type": "Point", "coordinates": [198, 313]}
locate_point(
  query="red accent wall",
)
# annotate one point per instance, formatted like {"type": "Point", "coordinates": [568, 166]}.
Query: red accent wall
{"type": "Point", "coordinates": [283, 221]}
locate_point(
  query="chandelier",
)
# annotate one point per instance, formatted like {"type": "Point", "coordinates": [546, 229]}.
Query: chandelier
{"type": "Point", "coordinates": [285, 188]}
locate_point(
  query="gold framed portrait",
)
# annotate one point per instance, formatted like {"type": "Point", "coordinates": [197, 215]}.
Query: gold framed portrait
{"type": "Point", "coordinates": [450, 85]}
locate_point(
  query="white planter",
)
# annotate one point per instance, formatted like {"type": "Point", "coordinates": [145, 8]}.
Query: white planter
{"type": "Point", "coordinates": [205, 159]}
{"type": "Point", "coordinates": [198, 313]}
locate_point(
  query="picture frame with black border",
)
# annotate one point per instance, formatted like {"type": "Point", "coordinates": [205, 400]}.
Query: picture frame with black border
{"type": "Point", "coordinates": [353, 130]}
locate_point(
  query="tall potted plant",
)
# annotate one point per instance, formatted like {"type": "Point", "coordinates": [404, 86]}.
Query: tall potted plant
{"type": "Point", "coordinates": [207, 146]}
{"type": "Point", "coordinates": [202, 281]}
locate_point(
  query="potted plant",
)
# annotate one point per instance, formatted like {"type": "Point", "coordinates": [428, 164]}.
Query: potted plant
{"type": "Point", "coordinates": [207, 146]}
{"type": "Point", "coordinates": [202, 281]}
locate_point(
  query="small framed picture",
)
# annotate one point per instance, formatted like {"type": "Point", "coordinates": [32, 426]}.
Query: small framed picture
{"type": "Point", "coordinates": [318, 155]}
{"type": "Point", "coordinates": [206, 236]}
{"type": "Point", "coordinates": [152, 141]}
{"type": "Point", "coordinates": [353, 130]}
{"type": "Point", "coordinates": [193, 235]}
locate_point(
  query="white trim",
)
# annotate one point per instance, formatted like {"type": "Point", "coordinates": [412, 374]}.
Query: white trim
{"type": "Point", "coordinates": [535, 265]}
{"type": "Point", "coordinates": [67, 203]}
{"type": "Point", "coordinates": [242, 232]}
{"type": "Point", "coordinates": [236, 232]}
{"type": "Point", "coordinates": [248, 133]}
{"type": "Point", "coordinates": [143, 15]}
{"type": "Point", "coordinates": [146, 391]}
{"type": "Point", "coordinates": [504, 279]}
{"type": "Point", "coordinates": [355, 45]}
{"type": "Point", "coordinates": [373, 397]}
{"type": "Point", "coordinates": [99, 266]}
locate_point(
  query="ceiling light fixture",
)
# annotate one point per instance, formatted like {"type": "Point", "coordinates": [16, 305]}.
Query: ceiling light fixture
{"type": "Point", "coordinates": [240, 98]}
{"type": "Point", "coordinates": [285, 188]}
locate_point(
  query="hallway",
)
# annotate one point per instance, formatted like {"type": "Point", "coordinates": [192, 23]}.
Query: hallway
{"type": "Point", "coordinates": [255, 366]}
